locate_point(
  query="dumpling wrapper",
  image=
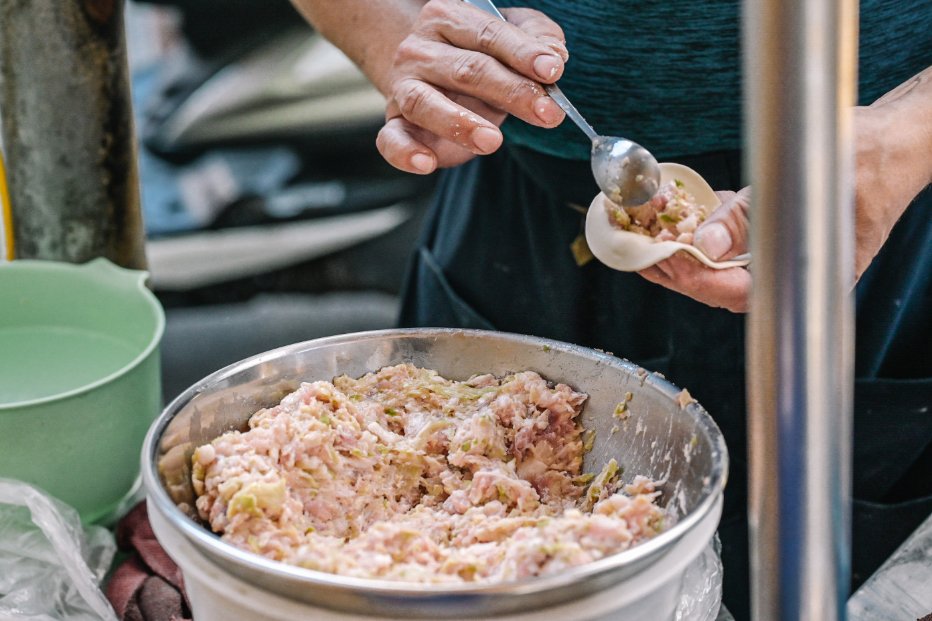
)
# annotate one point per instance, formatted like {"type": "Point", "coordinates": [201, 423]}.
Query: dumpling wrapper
{"type": "Point", "coordinates": [630, 252]}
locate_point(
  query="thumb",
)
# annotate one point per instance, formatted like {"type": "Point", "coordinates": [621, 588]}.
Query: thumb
{"type": "Point", "coordinates": [724, 234]}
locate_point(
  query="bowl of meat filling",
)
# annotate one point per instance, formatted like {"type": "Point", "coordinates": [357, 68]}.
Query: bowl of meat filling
{"type": "Point", "coordinates": [433, 473]}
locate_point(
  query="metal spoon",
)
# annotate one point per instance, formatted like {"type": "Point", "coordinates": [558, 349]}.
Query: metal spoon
{"type": "Point", "coordinates": [625, 171]}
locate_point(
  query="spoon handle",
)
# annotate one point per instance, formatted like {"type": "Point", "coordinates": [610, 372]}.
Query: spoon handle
{"type": "Point", "coordinates": [557, 95]}
{"type": "Point", "coordinates": [488, 7]}
{"type": "Point", "coordinates": [552, 89]}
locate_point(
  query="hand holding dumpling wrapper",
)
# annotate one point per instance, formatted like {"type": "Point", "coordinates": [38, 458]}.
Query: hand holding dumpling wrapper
{"type": "Point", "coordinates": [631, 251]}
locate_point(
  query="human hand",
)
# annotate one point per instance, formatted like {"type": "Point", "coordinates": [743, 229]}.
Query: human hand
{"type": "Point", "coordinates": [457, 76]}
{"type": "Point", "coordinates": [722, 236]}
{"type": "Point", "coordinates": [893, 155]}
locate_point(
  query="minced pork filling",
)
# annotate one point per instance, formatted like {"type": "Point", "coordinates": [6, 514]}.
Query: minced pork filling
{"type": "Point", "coordinates": [672, 215]}
{"type": "Point", "coordinates": [405, 475]}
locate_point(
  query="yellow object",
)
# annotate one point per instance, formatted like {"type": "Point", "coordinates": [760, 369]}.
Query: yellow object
{"type": "Point", "coordinates": [6, 215]}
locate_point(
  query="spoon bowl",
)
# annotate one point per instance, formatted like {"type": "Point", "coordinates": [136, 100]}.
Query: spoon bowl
{"type": "Point", "coordinates": [627, 251]}
{"type": "Point", "coordinates": [626, 172]}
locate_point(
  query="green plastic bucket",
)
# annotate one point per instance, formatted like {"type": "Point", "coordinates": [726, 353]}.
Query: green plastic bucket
{"type": "Point", "coordinates": [79, 379]}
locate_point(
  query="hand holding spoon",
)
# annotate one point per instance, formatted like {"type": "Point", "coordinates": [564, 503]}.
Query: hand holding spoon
{"type": "Point", "coordinates": [625, 171]}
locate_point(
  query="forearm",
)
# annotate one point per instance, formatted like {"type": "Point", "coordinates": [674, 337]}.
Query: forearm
{"type": "Point", "coordinates": [368, 31]}
{"type": "Point", "coordinates": [894, 161]}
{"type": "Point", "coordinates": [905, 113]}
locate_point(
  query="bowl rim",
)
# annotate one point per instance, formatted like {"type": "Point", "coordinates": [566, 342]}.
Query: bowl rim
{"type": "Point", "coordinates": [201, 536]}
{"type": "Point", "coordinates": [136, 281]}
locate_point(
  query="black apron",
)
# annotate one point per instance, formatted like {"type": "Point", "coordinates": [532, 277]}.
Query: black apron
{"type": "Point", "coordinates": [495, 254]}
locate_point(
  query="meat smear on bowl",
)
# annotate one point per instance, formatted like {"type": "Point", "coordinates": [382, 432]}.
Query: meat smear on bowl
{"type": "Point", "coordinates": [405, 475]}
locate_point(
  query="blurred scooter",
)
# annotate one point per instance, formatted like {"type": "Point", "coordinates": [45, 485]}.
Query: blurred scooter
{"type": "Point", "coordinates": [270, 132]}
{"type": "Point", "coordinates": [293, 87]}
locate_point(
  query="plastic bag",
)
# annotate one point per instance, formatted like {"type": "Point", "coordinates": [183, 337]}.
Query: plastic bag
{"type": "Point", "coordinates": [701, 597]}
{"type": "Point", "coordinates": [50, 566]}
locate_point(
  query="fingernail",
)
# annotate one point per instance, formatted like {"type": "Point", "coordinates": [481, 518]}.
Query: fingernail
{"type": "Point", "coordinates": [714, 240]}
{"type": "Point", "coordinates": [559, 47]}
{"type": "Point", "coordinates": [547, 110]}
{"type": "Point", "coordinates": [422, 162]}
{"type": "Point", "coordinates": [546, 66]}
{"type": "Point", "coordinates": [486, 139]}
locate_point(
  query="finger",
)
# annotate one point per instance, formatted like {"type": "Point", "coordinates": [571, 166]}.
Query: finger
{"type": "Point", "coordinates": [729, 288]}
{"type": "Point", "coordinates": [485, 78]}
{"type": "Point", "coordinates": [414, 150]}
{"type": "Point", "coordinates": [724, 234]}
{"type": "Point", "coordinates": [655, 275]}
{"type": "Point", "coordinates": [467, 27]}
{"type": "Point", "coordinates": [397, 144]}
{"type": "Point", "coordinates": [541, 27]}
{"type": "Point", "coordinates": [724, 195]}
{"type": "Point", "coordinates": [426, 107]}
{"type": "Point", "coordinates": [678, 264]}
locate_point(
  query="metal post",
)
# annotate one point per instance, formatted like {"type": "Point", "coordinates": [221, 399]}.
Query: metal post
{"type": "Point", "coordinates": [800, 67]}
{"type": "Point", "coordinates": [68, 131]}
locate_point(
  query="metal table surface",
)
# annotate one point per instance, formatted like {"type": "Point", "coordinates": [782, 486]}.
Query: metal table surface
{"type": "Point", "coordinates": [902, 587]}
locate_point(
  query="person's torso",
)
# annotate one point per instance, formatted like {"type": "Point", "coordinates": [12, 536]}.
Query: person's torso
{"type": "Point", "coordinates": [667, 74]}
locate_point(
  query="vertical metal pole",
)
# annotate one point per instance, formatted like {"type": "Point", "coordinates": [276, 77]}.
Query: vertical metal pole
{"type": "Point", "coordinates": [800, 67]}
{"type": "Point", "coordinates": [68, 131]}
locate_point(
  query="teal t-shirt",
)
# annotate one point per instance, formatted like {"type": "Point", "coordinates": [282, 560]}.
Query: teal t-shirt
{"type": "Point", "coordinates": [667, 74]}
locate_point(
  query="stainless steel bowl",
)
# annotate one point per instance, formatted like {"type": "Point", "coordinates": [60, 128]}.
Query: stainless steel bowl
{"type": "Point", "coordinates": [664, 436]}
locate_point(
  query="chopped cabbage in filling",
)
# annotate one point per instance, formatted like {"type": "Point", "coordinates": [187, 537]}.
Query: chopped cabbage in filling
{"type": "Point", "coordinates": [405, 475]}
{"type": "Point", "coordinates": [672, 215]}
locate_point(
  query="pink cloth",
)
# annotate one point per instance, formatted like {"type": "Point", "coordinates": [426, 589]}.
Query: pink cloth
{"type": "Point", "coordinates": [148, 586]}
